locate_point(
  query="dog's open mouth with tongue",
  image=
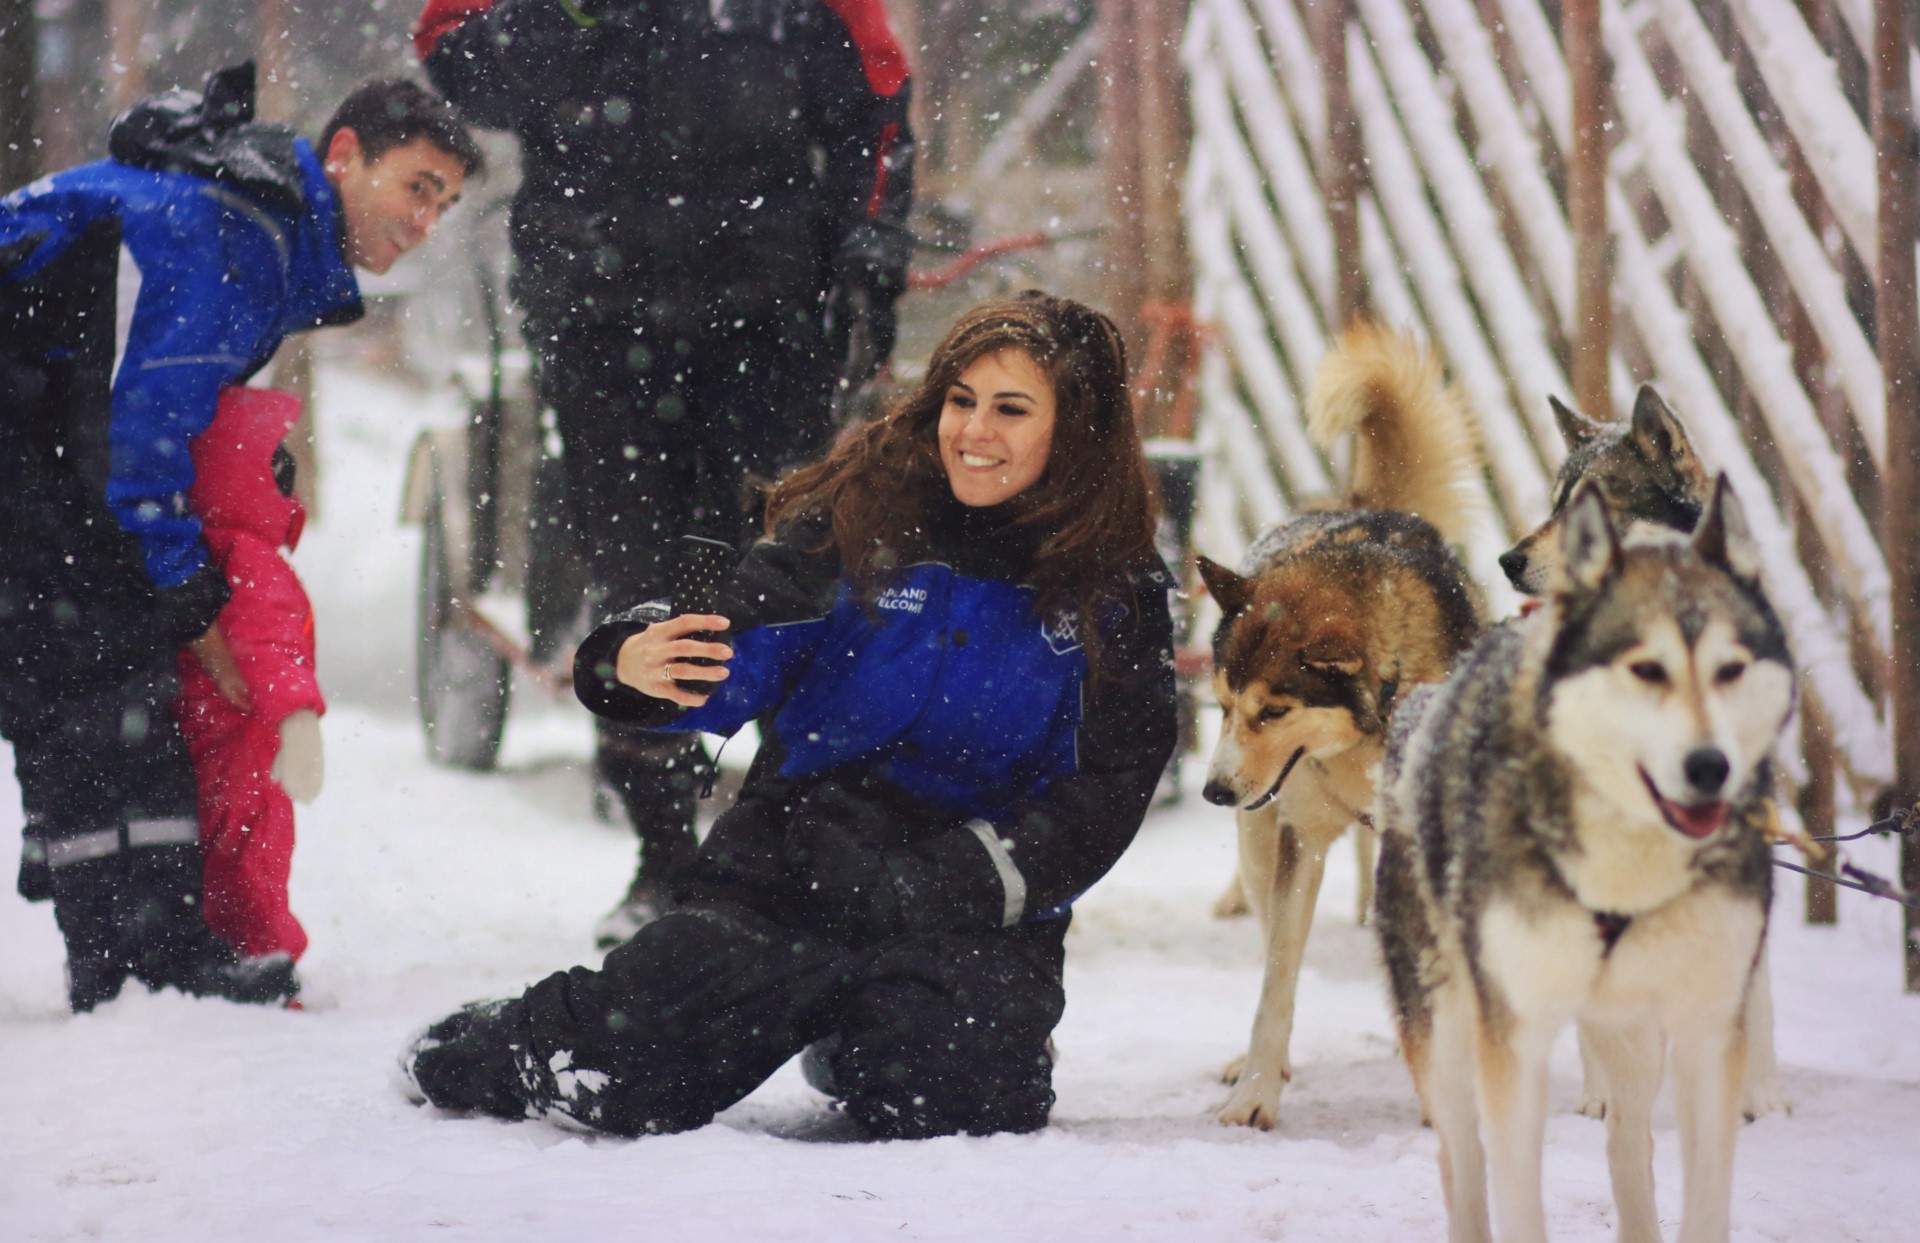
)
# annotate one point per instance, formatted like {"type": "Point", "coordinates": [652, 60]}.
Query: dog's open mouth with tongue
{"type": "Point", "coordinates": [1696, 820]}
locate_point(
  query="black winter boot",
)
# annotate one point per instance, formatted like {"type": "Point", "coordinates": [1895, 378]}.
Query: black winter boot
{"type": "Point", "coordinates": [466, 1062]}
{"type": "Point", "coordinates": [168, 943]}
{"type": "Point", "coordinates": [85, 905]}
{"type": "Point", "coordinates": [658, 779]}
{"type": "Point", "coordinates": [816, 1065]}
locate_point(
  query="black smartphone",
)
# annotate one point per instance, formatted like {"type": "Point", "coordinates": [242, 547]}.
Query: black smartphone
{"type": "Point", "coordinates": [700, 566]}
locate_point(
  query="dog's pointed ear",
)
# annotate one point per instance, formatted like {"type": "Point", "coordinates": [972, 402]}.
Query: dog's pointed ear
{"type": "Point", "coordinates": [1230, 591]}
{"type": "Point", "coordinates": [1723, 537]}
{"type": "Point", "coordinates": [1662, 440]}
{"type": "Point", "coordinates": [1589, 549]}
{"type": "Point", "coordinates": [1656, 429]}
{"type": "Point", "coordinates": [1575, 428]}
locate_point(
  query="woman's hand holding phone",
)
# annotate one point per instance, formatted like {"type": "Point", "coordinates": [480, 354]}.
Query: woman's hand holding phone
{"type": "Point", "coordinates": [670, 659]}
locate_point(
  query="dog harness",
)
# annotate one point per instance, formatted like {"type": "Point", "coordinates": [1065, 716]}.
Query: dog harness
{"type": "Point", "coordinates": [1611, 925]}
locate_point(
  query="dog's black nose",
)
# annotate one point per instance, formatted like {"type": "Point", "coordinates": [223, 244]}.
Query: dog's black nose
{"type": "Point", "coordinates": [1706, 769]}
{"type": "Point", "coordinates": [1513, 563]}
{"type": "Point", "coordinates": [1219, 793]}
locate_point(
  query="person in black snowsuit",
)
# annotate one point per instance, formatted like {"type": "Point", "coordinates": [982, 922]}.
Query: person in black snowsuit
{"type": "Point", "coordinates": [956, 639]}
{"type": "Point", "coordinates": [132, 290]}
{"type": "Point", "coordinates": [712, 204]}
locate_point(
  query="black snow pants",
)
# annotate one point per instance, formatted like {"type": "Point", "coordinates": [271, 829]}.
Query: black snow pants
{"type": "Point", "coordinates": [102, 769]}
{"type": "Point", "coordinates": [660, 432]}
{"type": "Point", "coordinates": [87, 674]}
{"type": "Point", "coordinates": [931, 1034]}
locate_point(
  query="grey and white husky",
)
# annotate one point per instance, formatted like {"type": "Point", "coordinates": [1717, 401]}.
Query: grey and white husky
{"type": "Point", "coordinates": [1569, 832]}
{"type": "Point", "coordinates": [1651, 479]}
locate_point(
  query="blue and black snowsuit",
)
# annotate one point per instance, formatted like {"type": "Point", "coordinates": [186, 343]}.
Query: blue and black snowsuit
{"type": "Point", "coordinates": [939, 778]}
{"type": "Point", "coordinates": [129, 296]}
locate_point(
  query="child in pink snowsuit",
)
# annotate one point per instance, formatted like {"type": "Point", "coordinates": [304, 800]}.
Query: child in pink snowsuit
{"type": "Point", "coordinates": [247, 762]}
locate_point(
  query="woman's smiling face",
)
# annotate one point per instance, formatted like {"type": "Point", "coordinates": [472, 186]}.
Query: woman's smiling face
{"type": "Point", "coordinates": [996, 428]}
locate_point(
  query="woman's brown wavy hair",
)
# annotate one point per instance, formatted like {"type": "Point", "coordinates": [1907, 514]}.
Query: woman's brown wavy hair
{"type": "Point", "coordinates": [1092, 509]}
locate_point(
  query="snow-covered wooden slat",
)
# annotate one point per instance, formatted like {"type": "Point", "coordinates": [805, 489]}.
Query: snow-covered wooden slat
{"type": "Point", "coordinates": [1766, 362]}
{"type": "Point", "coordinates": [1222, 418]}
{"type": "Point", "coordinates": [1800, 253]}
{"type": "Point", "coordinates": [1424, 250]}
{"type": "Point", "coordinates": [1293, 54]}
{"type": "Point", "coordinates": [1271, 136]}
{"type": "Point", "coordinates": [1229, 306]}
{"type": "Point", "coordinates": [1806, 88]}
{"type": "Point", "coordinates": [1469, 214]}
{"type": "Point", "coordinates": [1507, 144]}
{"type": "Point", "coordinates": [1245, 461]}
{"type": "Point", "coordinates": [1246, 458]}
{"type": "Point", "coordinates": [1296, 320]}
{"type": "Point", "coordinates": [1386, 276]}
{"type": "Point", "coordinates": [1243, 457]}
{"type": "Point", "coordinates": [1459, 334]}
{"type": "Point", "coordinates": [1859, 733]}
{"type": "Point", "coordinates": [1244, 331]}
{"type": "Point", "coordinates": [1508, 147]}
{"type": "Point", "coordinates": [1245, 327]}
{"type": "Point", "coordinates": [1462, 341]}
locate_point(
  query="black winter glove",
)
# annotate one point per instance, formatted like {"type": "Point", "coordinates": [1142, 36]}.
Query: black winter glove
{"type": "Point", "coordinates": [870, 326]}
{"type": "Point", "coordinates": [838, 876]}
{"type": "Point", "coordinates": [870, 272]}
{"type": "Point", "coordinates": [184, 611]}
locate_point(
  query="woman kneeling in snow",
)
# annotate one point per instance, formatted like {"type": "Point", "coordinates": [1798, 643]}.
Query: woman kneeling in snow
{"type": "Point", "coordinates": [956, 640]}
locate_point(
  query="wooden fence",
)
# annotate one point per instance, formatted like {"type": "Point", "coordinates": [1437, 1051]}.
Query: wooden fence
{"type": "Point", "coordinates": [1734, 190]}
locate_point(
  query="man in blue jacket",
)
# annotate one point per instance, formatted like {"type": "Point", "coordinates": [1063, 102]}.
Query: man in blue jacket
{"type": "Point", "coordinates": [132, 291]}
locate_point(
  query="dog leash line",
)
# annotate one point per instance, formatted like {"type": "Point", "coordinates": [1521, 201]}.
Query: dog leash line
{"type": "Point", "coordinates": [1903, 823]}
{"type": "Point", "coordinates": [1868, 882]}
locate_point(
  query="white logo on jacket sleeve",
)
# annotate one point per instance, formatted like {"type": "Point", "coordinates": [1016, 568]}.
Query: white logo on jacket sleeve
{"type": "Point", "coordinates": [1062, 633]}
{"type": "Point", "coordinates": [902, 600]}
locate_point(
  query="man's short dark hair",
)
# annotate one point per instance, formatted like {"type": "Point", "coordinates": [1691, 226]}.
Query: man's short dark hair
{"type": "Point", "coordinates": [392, 112]}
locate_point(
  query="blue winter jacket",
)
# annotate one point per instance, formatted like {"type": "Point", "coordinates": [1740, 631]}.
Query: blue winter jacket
{"type": "Point", "coordinates": [1028, 777]}
{"type": "Point", "coordinates": [208, 283]}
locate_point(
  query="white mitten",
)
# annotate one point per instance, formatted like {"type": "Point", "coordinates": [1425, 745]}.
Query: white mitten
{"type": "Point", "coordinates": [300, 767]}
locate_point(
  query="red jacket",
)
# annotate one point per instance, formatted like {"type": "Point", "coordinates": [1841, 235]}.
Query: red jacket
{"type": "Point", "coordinates": [269, 621]}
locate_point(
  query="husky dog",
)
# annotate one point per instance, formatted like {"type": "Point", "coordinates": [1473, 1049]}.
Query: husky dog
{"type": "Point", "coordinates": [1645, 468]}
{"type": "Point", "coordinates": [1337, 612]}
{"type": "Point", "coordinates": [1649, 476]}
{"type": "Point", "coordinates": [1566, 834]}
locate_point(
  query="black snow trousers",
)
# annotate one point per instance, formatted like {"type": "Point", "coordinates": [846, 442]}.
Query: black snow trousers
{"type": "Point", "coordinates": [930, 1034]}
{"type": "Point", "coordinates": [87, 674]}
{"type": "Point", "coordinates": [102, 769]}
{"type": "Point", "coordinates": [660, 431]}
{"type": "Point", "coordinates": [112, 837]}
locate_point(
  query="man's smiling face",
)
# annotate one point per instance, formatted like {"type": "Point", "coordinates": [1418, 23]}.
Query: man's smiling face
{"type": "Point", "coordinates": [391, 203]}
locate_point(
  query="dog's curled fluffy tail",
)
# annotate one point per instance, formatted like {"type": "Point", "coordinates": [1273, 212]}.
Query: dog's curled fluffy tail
{"type": "Point", "coordinates": [1414, 443]}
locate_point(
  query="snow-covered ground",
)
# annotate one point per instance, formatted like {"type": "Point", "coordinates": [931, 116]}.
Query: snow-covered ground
{"type": "Point", "coordinates": [160, 1118]}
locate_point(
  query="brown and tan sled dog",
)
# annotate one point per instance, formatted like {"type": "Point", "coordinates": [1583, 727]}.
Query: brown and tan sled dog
{"type": "Point", "coordinates": [1335, 613]}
